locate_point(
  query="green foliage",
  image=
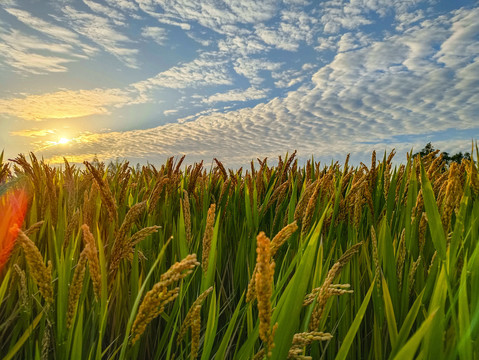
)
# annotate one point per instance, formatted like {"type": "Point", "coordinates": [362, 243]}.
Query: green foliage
{"type": "Point", "coordinates": [415, 284]}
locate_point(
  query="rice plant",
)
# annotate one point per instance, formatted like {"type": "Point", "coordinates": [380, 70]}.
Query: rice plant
{"type": "Point", "coordinates": [271, 262]}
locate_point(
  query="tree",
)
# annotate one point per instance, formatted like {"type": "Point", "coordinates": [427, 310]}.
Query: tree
{"type": "Point", "coordinates": [457, 157]}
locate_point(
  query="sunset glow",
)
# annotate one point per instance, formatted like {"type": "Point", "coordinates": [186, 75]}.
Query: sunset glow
{"type": "Point", "coordinates": [63, 141]}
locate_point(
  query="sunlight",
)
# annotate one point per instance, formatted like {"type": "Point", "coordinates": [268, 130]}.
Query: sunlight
{"type": "Point", "coordinates": [63, 141]}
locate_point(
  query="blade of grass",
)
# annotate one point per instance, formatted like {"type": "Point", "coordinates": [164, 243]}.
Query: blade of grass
{"type": "Point", "coordinates": [23, 338]}
{"type": "Point", "coordinates": [287, 313]}
{"type": "Point", "coordinates": [433, 217]}
{"type": "Point", "coordinates": [465, 342]}
{"type": "Point", "coordinates": [221, 353]}
{"type": "Point", "coordinates": [408, 351]}
{"type": "Point", "coordinates": [407, 324]}
{"type": "Point", "coordinates": [211, 327]}
{"type": "Point", "coordinates": [137, 302]}
{"type": "Point", "coordinates": [348, 340]}
{"type": "Point", "coordinates": [389, 310]}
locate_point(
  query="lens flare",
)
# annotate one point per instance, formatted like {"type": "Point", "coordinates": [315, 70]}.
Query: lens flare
{"type": "Point", "coordinates": [13, 206]}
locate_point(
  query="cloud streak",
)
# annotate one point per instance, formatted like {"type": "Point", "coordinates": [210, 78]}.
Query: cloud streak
{"type": "Point", "coordinates": [101, 30]}
{"type": "Point", "coordinates": [251, 93]}
{"type": "Point", "coordinates": [65, 104]}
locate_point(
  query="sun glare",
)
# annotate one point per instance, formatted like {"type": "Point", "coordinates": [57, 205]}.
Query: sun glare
{"type": "Point", "coordinates": [63, 141]}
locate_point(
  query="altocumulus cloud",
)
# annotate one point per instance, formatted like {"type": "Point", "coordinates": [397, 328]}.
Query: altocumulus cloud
{"type": "Point", "coordinates": [406, 83]}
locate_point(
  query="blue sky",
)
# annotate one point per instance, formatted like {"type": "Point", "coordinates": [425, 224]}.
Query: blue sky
{"type": "Point", "coordinates": [236, 79]}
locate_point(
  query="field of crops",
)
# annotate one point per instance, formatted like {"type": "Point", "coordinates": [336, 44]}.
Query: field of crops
{"type": "Point", "coordinates": [192, 262]}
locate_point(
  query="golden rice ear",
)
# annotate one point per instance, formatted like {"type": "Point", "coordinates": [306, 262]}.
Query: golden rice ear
{"type": "Point", "coordinates": [105, 192]}
{"type": "Point", "coordinates": [193, 321]}
{"type": "Point", "coordinates": [93, 262]}
{"type": "Point", "coordinates": [327, 289]}
{"type": "Point", "coordinates": [187, 216]}
{"type": "Point", "coordinates": [207, 237]}
{"type": "Point", "coordinates": [264, 289]}
{"type": "Point", "coordinates": [76, 286]}
{"type": "Point", "coordinates": [41, 274]}
{"type": "Point", "coordinates": [120, 246]}
{"type": "Point", "coordinates": [159, 296]}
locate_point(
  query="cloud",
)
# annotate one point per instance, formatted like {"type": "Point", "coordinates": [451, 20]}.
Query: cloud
{"type": "Point", "coordinates": [336, 16]}
{"type": "Point", "coordinates": [117, 17]}
{"type": "Point", "coordinates": [294, 28]}
{"type": "Point", "coordinates": [55, 32]}
{"type": "Point", "coordinates": [462, 46]}
{"type": "Point", "coordinates": [251, 93]}
{"type": "Point", "coordinates": [101, 31]}
{"type": "Point", "coordinates": [157, 34]}
{"type": "Point", "coordinates": [33, 133]}
{"type": "Point", "coordinates": [291, 77]}
{"type": "Point", "coordinates": [243, 45]}
{"type": "Point", "coordinates": [170, 112]}
{"type": "Point", "coordinates": [199, 38]}
{"type": "Point", "coordinates": [352, 41]}
{"type": "Point", "coordinates": [217, 16]}
{"type": "Point", "coordinates": [367, 97]}
{"type": "Point", "coordinates": [64, 104]}
{"type": "Point", "coordinates": [206, 70]}
{"type": "Point", "coordinates": [21, 54]}
{"type": "Point", "coordinates": [249, 11]}
{"type": "Point", "coordinates": [125, 5]}
{"type": "Point", "coordinates": [406, 19]}
{"type": "Point", "coordinates": [29, 53]}
{"type": "Point", "coordinates": [352, 14]}
{"type": "Point", "coordinates": [252, 67]}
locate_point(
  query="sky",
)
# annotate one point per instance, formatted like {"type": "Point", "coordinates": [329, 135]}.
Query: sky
{"type": "Point", "coordinates": [143, 80]}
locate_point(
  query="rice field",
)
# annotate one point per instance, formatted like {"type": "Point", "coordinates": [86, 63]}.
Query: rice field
{"type": "Point", "coordinates": [313, 261]}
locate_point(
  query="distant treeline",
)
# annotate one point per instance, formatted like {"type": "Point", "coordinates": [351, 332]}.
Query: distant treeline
{"type": "Point", "coordinates": [457, 157]}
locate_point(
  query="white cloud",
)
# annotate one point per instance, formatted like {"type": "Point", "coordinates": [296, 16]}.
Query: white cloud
{"type": "Point", "coordinates": [327, 43]}
{"type": "Point", "coordinates": [463, 43]}
{"type": "Point", "coordinates": [199, 39]}
{"type": "Point", "coordinates": [157, 34]}
{"type": "Point", "coordinates": [243, 45]}
{"type": "Point", "coordinates": [117, 17]}
{"type": "Point", "coordinates": [294, 28]}
{"type": "Point", "coordinates": [406, 19]}
{"type": "Point", "coordinates": [291, 77]}
{"type": "Point", "coordinates": [352, 41]}
{"type": "Point", "coordinates": [217, 16]}
{"type": "Point", "coordinates": [101, 31]}
{"type": "Point", "coordinates": [167, 21]}
{"type": "Point", "coordinates": [125, 5]}
{"type": "Point", "coordinates": [251, 93]}
{"type": "Point", "coordinates": [33, 55]}
{"type": "Point", "coordinates": [337, 15]}
{"type": "Point", "coordinates": [170, 112]}
{"type": "Point", "coordinates": [204, 71]}
{"type": "Point", "coordinates": [53, 31]}
{"type": "Point", "coordinates": [40, 55]}
{"type": "Point", "coordinates": [253, 11]}
{"type": "Point", "coordinates": [251, 68]}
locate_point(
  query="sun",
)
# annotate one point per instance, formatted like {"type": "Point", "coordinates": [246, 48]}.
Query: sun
{"type": "Point", "coordinates": [63, 141]}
